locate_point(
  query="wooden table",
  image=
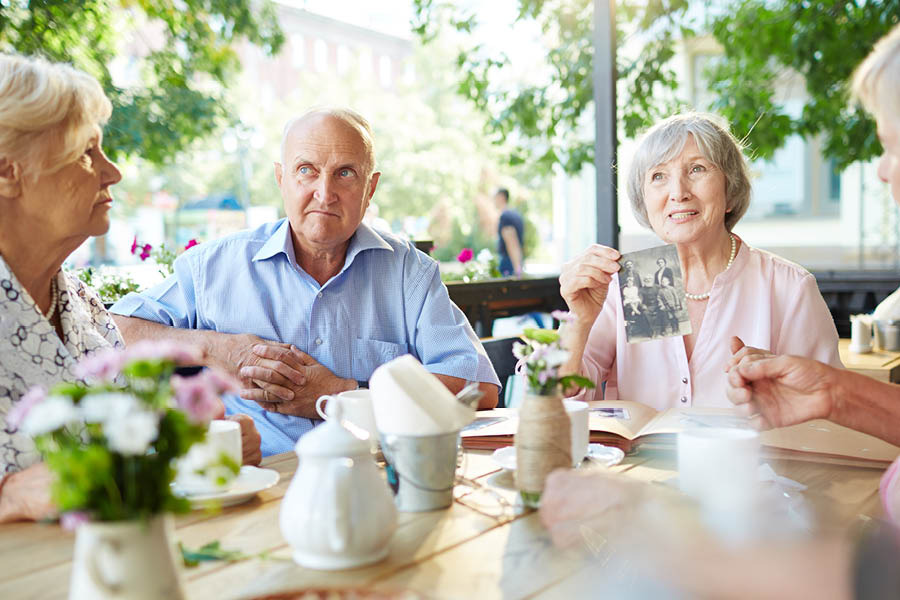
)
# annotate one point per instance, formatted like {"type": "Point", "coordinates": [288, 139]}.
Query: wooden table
{"type": "Point", "coordinates": [479, 548]}
{"type": "Point", "coordinates": [881, 365]}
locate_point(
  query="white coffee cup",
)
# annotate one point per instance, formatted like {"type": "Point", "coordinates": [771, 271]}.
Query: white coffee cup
{"type": "Point", "coordinates": [222, 437]}
{"type": "Point", "coordinates": [580, 427]}
{"type": "Point", "coordinates": [356, 412]}
{"type": "Point", "coordinates": [719, 467]}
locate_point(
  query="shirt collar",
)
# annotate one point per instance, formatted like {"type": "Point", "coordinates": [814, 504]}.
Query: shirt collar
{"type": "Point", "coordinates": [364, 238]}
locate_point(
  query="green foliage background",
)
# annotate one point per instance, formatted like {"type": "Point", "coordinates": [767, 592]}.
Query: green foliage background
{"type": "Point", "coordinates": [190, 60]}
{"type": "Point", "coordinates": [820, 40]}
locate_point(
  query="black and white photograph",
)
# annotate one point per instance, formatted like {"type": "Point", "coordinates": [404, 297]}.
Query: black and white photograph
{"type": "Point", "coordinates": [652, 289]}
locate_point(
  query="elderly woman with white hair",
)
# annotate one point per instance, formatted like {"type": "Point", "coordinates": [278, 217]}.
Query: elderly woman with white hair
{"type": "Point", "coordinates": [780, 391]}
{"type": "Point", "coordinates": [689, 183]}
{"type": "Point", "coordinates": [54, 194]}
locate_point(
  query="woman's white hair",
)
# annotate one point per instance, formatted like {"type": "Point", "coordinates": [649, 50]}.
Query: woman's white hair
{"type": "Point", "coordinates": [48, 113]}
{"type": "Point", "coordinates": [665, 140]}
{"type": "Point", "coordinates": [876, 81]}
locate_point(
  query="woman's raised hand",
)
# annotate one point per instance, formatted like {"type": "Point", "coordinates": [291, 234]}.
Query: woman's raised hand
{"type": "Point", "coordinates": [584, 281]}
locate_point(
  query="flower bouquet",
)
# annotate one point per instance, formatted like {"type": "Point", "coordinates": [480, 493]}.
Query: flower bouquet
{"type": "Point", "coordinates": [112, 444]}
{"type": "Point", "coordinates": [543, 439]}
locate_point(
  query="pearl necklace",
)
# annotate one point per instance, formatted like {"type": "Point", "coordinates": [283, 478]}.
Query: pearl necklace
{"type": "Point", "coordinates": [54, 299]}
{"type": "Point", "coordinates": [730, 260]}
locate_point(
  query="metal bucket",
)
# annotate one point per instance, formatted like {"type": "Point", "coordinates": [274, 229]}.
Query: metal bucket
{"type": "Point", "coordinates": [421, 469]}
{"type": "Point", "coordinates": [887, 335]}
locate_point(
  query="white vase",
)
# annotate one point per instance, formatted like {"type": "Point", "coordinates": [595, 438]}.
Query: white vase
{"type": "Point", "coordinates": [126, 559]}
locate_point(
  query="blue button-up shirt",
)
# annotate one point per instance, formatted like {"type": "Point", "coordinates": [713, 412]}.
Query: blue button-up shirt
{"type": "Point", "coordinates": [387, 300]}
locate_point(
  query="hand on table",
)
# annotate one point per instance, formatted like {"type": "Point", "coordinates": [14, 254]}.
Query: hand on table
{"type": "Point", "coordinates": [250, 439]}
{"type": "Point", "coordinates": [25, 495]}
{"type": "Point", "coordinates": [584, 281]}
{"type": "Point", "coordinates": [315, 380]}
{"type": "Point", "coordinates": [777, 391]}
{"type": "Point", "coordinates": [573, 498]}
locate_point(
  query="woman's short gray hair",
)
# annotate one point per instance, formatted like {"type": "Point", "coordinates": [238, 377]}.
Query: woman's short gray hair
{"type": "Point", "coordinates": [875, 81]}
{"type": "Point", "coordinates": [665, 140]}
{"type": "Point", "coordinates": [48, 112]}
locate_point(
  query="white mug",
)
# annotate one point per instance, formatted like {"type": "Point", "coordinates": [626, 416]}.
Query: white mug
{"type": "Point", "coordinates": [580, 428]}
{"type": "Point", "coordinates": [356, 412]}
{"type": "Point", "coordinates": [222, 437]}
{"type": "Point", "coordinates": [719, 467]}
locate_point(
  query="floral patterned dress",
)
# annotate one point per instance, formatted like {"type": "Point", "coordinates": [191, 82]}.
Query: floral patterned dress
{"type": "Point", "coordinates": [31, 353]}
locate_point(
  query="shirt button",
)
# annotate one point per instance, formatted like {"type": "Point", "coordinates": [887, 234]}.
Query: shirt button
{"type": "Point", "coordinates": [319, 294]}
{"type": "Point", "coordinates": [684, 399]}
{"type": "Point", "coordinates": [318, 341]}
{"type": "Point", "coordinates": [684, 380]}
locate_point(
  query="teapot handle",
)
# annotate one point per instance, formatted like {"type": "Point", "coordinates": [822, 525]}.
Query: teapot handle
{"type": "Point", "coordinates": [339, 536]}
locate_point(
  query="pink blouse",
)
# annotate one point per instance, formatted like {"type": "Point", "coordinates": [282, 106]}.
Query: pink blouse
{"type": "Point", "coordinates": [767, 301]}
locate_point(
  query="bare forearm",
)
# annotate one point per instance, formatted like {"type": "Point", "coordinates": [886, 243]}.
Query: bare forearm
{"type": "Point", "coordinates": [577, 334]}
{"type": "Point", "coordinates": [867, 405]}
{"type": "Point", "coordinates": [134, 330]}
{"type": "Point", "coordinates": [490, 391]}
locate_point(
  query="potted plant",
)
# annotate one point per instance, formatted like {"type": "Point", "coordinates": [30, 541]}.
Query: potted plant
{"type": "Point", "coordinates": [543, 438]}
{"type": "Point", "coordinates": [112, 445]}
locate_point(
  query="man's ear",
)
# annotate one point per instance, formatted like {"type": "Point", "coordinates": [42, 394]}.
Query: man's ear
{"type": "Point", "coordinates": [10, 178]}
{"type": "Point", "coordinates": [279, 173]}
{"type": "Point", "coordinates": [373, 183]}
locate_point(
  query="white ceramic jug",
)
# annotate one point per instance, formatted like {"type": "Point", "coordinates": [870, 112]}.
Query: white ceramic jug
{"type": "Point", "coordinates": [338, 511]}
{"type": "Point", "coordinates": [126, 559]}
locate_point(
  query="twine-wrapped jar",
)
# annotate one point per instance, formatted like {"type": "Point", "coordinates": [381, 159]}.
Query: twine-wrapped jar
{"type": "Point", "coordinates": [543, 444]}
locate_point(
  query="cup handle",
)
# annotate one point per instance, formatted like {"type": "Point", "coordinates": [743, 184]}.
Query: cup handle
{"type": "Point", "coordinates": [320, 408]}
{"type": "Point", "coordinates": [111, 548]}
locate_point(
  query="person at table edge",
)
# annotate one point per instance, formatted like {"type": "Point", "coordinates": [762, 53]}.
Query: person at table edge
{"type": "Point", "coordinates": [313, 303]}
{"type": "Point", "coordinates": [689, 183]}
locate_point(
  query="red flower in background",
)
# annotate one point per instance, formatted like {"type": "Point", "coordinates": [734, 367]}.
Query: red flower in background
{"type": "Point", "coordinates": [145, 252]}
{"type": "Point", "coordinates": [191, 244]}
{"type": "Point", "coordinates": [465, 255]}
{"type": "Point", "coordinates": [134, 245]}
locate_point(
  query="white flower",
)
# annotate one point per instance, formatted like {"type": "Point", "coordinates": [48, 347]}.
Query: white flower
{"type": "Point", "coordinates": [104, 407]}
{"type": "Point", "coordinates": [484, 256]}
{"type": "Point", "coordinates": [51, 414]}
{"type": "Point", "coordinates": [555, 357]}
{"type": "Point", "coordinates": [518, 350]}
{"type": "Point", "coordinates": [131, 435]}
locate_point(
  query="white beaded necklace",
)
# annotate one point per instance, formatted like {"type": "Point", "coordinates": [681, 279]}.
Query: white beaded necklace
{"type": "Point", "coordinates": [54, 299]}
{"type": "Point", "coordinates": [730, 260]}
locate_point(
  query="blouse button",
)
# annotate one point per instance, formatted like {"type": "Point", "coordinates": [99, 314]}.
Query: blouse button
{"type": "Point", "coordinates": [684, 399]}
{"type": "Point", "coordinates": [684, 380]}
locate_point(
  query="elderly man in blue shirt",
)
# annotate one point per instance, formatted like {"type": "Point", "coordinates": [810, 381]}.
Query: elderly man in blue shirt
{"type": "Point", "coordinates": [314, 303]}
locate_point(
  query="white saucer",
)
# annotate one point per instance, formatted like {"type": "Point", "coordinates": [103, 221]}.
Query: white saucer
{"type": "Point", "coordinates": [605, 455]}
{"type": "Point", "coordinates": [247, 484]}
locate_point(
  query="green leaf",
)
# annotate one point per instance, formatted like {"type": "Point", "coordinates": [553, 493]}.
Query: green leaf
{"type": "Point", "coordinates": [544, 336]}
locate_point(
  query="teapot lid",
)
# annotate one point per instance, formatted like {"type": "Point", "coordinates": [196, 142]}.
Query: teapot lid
{"type": "Point", "coordinates": [331, 438]}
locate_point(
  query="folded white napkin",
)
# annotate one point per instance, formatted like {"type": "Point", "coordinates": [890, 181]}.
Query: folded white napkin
{"type": "Point", "coordinates": [408, 400]}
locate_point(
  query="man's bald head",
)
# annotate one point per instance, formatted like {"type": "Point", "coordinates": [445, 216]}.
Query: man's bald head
{"type": "Point", "coordinates": [347, 117]}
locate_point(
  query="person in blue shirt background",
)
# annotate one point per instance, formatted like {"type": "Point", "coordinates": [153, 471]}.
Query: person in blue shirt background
{"type": "Point", "coordinates": [510, 236]}
{"type": "Point", "coordinates": [314, 303]}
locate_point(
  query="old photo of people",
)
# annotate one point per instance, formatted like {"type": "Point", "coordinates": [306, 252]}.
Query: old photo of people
{"type": "Point", "coordinates": [652, 290]}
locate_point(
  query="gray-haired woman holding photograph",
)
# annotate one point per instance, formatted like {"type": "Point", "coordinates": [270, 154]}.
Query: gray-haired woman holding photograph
{"type": "Point", "coordinates": [689, 183]}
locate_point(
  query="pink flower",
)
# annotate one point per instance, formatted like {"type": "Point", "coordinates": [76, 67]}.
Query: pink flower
{"type": "Point", "coordinates": [72, 519]}
{"type": "Point", "coordinates": [465, 255]}
{"type": "Point", "coordinates": [104, 365]}
{"type": "Point", "coordinates": [563, 316]}
{"type": "Point", "coordinates": [163, 350]}
{"type": "Point", "coordinates": [134, 245]}
{"type": "Point", "coordinates": [198, 396]}
{"type": "Point", "coordinates": [191, 244]}
{"type": "Point", "coordinates": [145, 252]}
{"type": "Point", "coordinates": [20, 409]}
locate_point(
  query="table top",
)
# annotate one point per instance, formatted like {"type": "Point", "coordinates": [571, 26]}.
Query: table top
{"type": "Point", "coordinates": [502, 550]}
{"type": "Point", "coordinates": [880, 364]}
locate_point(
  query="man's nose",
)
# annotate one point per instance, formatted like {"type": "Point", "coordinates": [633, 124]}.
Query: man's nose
{"type": "Point", "coordinates": [324, 190]}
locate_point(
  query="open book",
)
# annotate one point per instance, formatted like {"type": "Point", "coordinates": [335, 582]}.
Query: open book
{"type": "Point", "coordinates": [627, 424]}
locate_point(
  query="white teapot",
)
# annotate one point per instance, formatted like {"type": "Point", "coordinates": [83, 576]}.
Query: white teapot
{"type": "Point", "coordinates": [338, 511]}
